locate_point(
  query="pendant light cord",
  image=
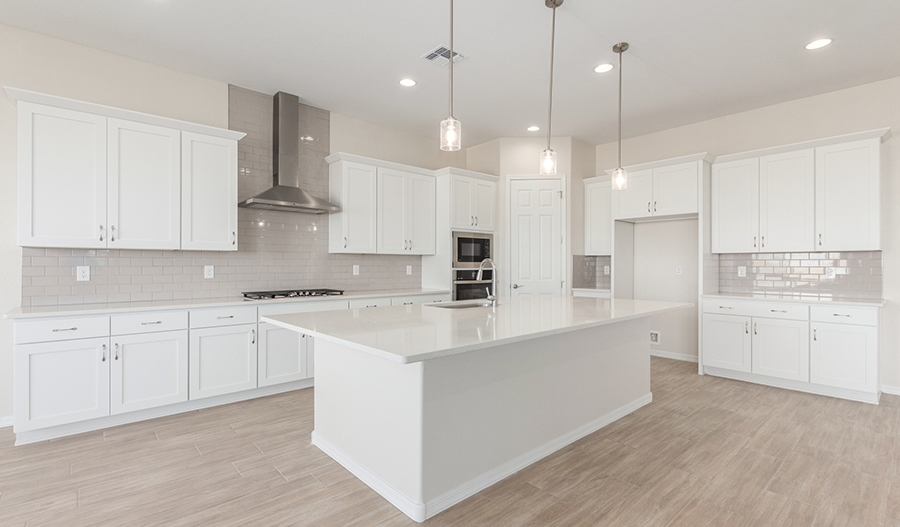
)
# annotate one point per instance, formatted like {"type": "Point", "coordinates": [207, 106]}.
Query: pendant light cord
{"type": "Point", "coordinates": [451, 58]}
{"type": "Point", "coordinates": [620, 107]}
{"type": "Point", "coordinates": [552, 49]}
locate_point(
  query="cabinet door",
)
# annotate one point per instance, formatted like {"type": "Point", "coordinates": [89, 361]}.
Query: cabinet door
{"type": "Point", "coordinates": [637, 200]}
{"type": "Point", "coordinates": [61, 382]}
{"type": "Point", "coordinates": [222, 360]}
{"type": "Point", "coordinates": [844, 356]}
{"type": "Point", "coordinates": [484, 202]}
{"type": "Point", "coordinates": [358, 207]}
{"type": "Point", "coordinates": [148, 370]}
{"type": "Point", "coordinates": [735, 206]}
{"type": "Point", "coordinates": [208, 193]}
{"type": "Point", "coordinates": [598, 218]}
{"type": "Point", "coordinates": [144, 177]}
{"type": "Point", "coordinates": [421, 218]}
{"type": "Point", "coordinates": [781, 348]}
{"type": "Point", "coordinates": [675, 189]}
{"type": "Point", "coordinates": [462, 215]}
{"type": "Point", "coordinates": [393, 207]}
{"type": "Point", "coordinates": [727, 342]}
{"type": "Point", "coordinates": [848, 197]}
{"type": "Point", "coordinates": [62, 178]}
{"type": "Point", "coordinates": [282, 355]}
{"type": "Point", "coordinates": [787, 202]}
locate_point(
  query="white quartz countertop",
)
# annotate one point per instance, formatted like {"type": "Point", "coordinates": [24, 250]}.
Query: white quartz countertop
{"type": "Point", "coordinates": [791, 299]}
{"type": "Point", "coordinates": [198, 303]}
{"type": "Point", "coordinates": [417, 333]}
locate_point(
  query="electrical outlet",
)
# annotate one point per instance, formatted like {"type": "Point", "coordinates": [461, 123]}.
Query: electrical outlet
{"type": "Point", "coordinates": [408, 269]}
{"type": "Point", "coordinates": [679, 271]}
{"type": "Point", "coordinates": [355, 270]}
{"type": "Point", "coordinates": [830, 273]}
{"type": "Point", "coordinates": [742, 272]}
{"type": "Point", "coordinates": [83, 273]}
{"type": "Point", "coordinates": [606, 270]}
{"type": "Point", "coordinates": [209, 271]}
{"type": "Point", "coordinates": [654, 337]}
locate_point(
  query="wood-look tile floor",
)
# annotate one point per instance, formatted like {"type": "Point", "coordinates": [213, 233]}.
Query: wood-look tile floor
{"type": "Point", "coordinates": [706, 452]}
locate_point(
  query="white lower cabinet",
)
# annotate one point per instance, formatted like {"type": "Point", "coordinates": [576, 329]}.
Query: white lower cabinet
{"type": "Point", "coordinates": [282, 355]}
{"type": "Point", "coordinates": [781, 349]}
{"type": "Point", "coordinates": [844, 356]}
{"type": "Point", "coordinates": [727, 342]}
{"type": "Point", "coordinates": [61, 382]}
{"type": "Point", "coordinates": [148, 370]}
{"type": "Point", "coordinates": [222, 360]}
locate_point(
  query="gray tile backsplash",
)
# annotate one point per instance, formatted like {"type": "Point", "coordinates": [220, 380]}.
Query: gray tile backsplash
{"type": "Point", "coordinates": [857, 275]}
{"type": "Point", "coordinates": [588, 272]}
{"type": "Point", "coordinates": [275, 249]}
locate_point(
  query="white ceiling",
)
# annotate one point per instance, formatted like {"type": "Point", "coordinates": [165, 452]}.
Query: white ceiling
{"type": "Point", "coordinates": [690, 60]}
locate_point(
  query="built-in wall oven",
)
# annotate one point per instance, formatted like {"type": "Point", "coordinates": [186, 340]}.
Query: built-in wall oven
{"type": "Point", "coordinates": [471, 248]}
{"type": "Point", "coordinates": [466, 287]}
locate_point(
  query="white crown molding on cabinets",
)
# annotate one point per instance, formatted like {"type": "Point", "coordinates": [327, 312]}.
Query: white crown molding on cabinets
{"type": "Point", "coordinates": [341, 156]}
{"type": "Point", "coordinates": [882, 133]}
{"type": "Point", "coordinates": [467, 173]}
{"type": "Point", "coordinates": [119, 113]}
{"type": "Point", "coordinates": [703, 156]}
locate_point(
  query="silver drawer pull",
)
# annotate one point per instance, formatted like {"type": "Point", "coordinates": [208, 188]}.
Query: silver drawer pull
{"type": "Point", "coordinates": [777, 311]}
{"type": "Point", "coordinates": [223, 318]}
{"type": "Point", "coordinates": [151, 323]}
{"type": "Point", "coordinates": [374, 305]}
{"type": "Point", "coordinates": [104, 354]}
{"type": "Point", "coordinates": [407, 303]}
{"type": "Point", "coordinates": [840, 315]}
{"type": "Point", "coordinates": [725, 307]}
{"type": "Point", "coordinates": [117, 351]}
{"type": "Point", "coordinates": [65, 329]}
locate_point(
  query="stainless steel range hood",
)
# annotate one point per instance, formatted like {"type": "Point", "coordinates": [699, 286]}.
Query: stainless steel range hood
{"type": "Point", "coordinates": [286, 194]}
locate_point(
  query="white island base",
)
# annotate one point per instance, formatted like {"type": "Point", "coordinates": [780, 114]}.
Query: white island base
{"type": "Point", "coordinates": [427, 435]}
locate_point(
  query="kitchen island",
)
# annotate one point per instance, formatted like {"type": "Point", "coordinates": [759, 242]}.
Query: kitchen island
{"type": "Point", "coordinates": [429, 405]}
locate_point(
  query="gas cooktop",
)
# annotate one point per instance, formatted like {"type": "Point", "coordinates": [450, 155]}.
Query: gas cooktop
{"type": "Point", "coordinates": [292, 293]}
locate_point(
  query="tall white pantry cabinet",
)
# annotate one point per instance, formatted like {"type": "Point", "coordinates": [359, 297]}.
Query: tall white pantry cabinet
{"type": "Point", "coordinates": [95, 177]}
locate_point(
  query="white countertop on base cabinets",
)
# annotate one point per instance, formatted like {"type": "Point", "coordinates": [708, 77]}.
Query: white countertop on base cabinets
{"type": "Point", "coordinates": [165, 305]}
{"type": "Point", "coordinates": [798, 299]}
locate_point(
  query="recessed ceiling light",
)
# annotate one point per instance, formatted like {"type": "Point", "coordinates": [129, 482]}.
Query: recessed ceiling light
{"type": "Point", "coordinates": [407, 82]}
{"type": "Point", "coordinates": [534, 128]}
{"type": "Point", "coordinates": [816, 44]}
{"type": "Point", "coordinates": [603, 68]}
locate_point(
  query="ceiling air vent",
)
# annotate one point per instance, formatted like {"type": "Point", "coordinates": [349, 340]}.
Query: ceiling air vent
{"type": "Point", "coordinates": [441, 56]}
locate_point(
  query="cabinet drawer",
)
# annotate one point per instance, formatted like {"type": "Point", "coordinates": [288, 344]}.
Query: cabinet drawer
{"type": "Point", "coordinates": [781, 311]}
{"type": "Point", "coordinates": [53, 329]}
{"type": "Point", "coordinates": [370, 302]}
{"type": "Point", "coordinates": [728, 307]}
{"type": "Point", "coordinates": [222, 316]}
{"type": "Point", "coordinates": [303, 307]}
{"type": "Point", "coordinates": [860, 316]}
{"type": "Point", "coordinates": [148, 322]}
{"type": "Point", "coordinates": [418, 299]}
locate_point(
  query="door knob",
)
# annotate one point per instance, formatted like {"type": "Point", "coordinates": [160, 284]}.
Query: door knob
{"type": "Point", "coordinates": [516, 286]}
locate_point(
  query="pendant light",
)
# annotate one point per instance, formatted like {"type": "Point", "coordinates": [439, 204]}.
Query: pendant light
{"type": "Point", "coordinates": [548, 156]}
{"type": "Point", "coordinates": [451, 129]}
{"type": "Point", "coordinates": [619, 176]}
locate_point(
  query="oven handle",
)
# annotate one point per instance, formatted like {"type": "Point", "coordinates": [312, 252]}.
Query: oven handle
{"type": "Point", "coordinates": [468, 282]}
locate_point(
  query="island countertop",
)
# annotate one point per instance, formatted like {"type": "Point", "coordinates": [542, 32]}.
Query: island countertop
{"type": "Point", "coordinates": [416, 333]}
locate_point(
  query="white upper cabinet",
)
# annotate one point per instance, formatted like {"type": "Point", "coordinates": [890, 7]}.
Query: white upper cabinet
{"type": "Point", "coordinates": [735, 206]}
{"type": "Point", "coordinates": [144, 186]}
{"type": "Point", "coordinates": [636, 201]}
{"type": "Point", "coordinates": [406, 212]}
{"type": "Point", "coordinates": [485, 200]}
{"type": "Point", "coordinates": [62, 178]}
{"type": "Point", "coordinates": [353, 187]}
{"type": "Point", "coordinates": [597, 217]}
{"type": "Point", "coordinates": [848, 196]}
{"type": "Point", "coordinates": [472, 203]}
{"type": "Point", "coordinates": [787, 201]}
{"type": "Point", "coordinates": [208, 193]}
{"type": "Point", "coordinates": [421, 217]}
{"type": "Point", "coordinates": [675, 189]}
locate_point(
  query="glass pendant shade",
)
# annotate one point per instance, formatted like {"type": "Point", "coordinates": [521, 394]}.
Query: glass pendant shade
{"type": "Point", "coordinates": [619, 179]}
{"type": "Point", "coordinates": [548, 163]}
{"type": "Point", "coordinates": [451, 130]}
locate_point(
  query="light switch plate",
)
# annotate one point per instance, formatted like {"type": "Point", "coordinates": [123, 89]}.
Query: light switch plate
{"type": "Point", "coordinates": [355, 270]}
{"type": "Point", "coordinates": [209, 271]}
{"type": "Point", "coordinates": [679, 271]}
{"type": "Point", "coordinates": [83, 273]}
{"type": "Point", "coordinates": [830, 273]}
{"type": "Point", "coordinates": [606, 270]}
{"type": "Point", "coordinates": [654, 337]}
{"type": "Point", "coordinates": [742, 272]}
{"type": "Point", "coordinates": [408, 269]}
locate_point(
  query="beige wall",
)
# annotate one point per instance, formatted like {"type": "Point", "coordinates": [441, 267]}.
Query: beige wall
{"type": "Point", "coordinates": [43, 64]}
{"type": "Point", "coordinates": [353, 136]}
{"type": "Point", "coordinates": [856, 109]}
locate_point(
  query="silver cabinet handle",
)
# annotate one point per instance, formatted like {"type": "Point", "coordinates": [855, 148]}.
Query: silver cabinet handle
{"type": "Point", "coordinates": [476, 221]}
{"type": "Point", "coordinates": [472, 221]}
{"type": "Point", "coordinates": [840, 315]}
{"type": "Point", "coordinates": [373, 305]}
{"type": "Point", "coordinates": [345, 242]}
{"type": "Point", "coordinates": [253, 336]}
{"type": "Point", "coordinates": [408, 303]}
{"type": "Point", "coordinates": [754, 241]}
{"type": "Point", "coordinates": [151, 323]}
{"type": "Point", "coordinates": [65, 329]}
{"type": "Point", "coordinates": [820, 239]}
{"type": "Point", "coordinates": [648, 207]}
{"type": "Point", "coordinates": [815, 334]}
{"type": "Point", "coordinates": [755, 328]}
{"type": "Point", "coordinates": [112, 233]}
{"type": "Point", "coordinates": [763, 241]}
{"type": "Point", "coordinates": [104, 354]}
{"type": "Point", "coordinates": [117, 351]}
{"type": "Point", "coordinates": [223, 318]}
{"type": "Point", "coordinates": [747, 327]}
{"type": "Point", "coordinates": [725, 307]}
{"type": "Point", "coordinates": [654, 206]}
{"type": "Point", "coordinates": [778, 311]}
{"type": "Point", "coordinates": [101, 233]}
{"type": "Point", "coordinates": [233, 238]}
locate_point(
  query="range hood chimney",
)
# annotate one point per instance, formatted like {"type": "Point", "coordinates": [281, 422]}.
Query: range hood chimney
{"type": "Point", "coordinates": [286, 194]}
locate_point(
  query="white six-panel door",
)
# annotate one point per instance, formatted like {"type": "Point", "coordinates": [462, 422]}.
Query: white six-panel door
{"type": "Point", "coordinates": [536, 237]}
{"type": "Point", "coordinates": [781, 348]}
{"type": "Point", "coordinates": [637, 200]}
{"type": "Point", "coordinates": [787, 202]}
{"type": "Point", "coordinates": [144, 193]}
{"type": "Point", "coordinates": [208, 193]}
{"type": "Point", "coordinates": [62, 178]}
{"type": "Point", "coordinates": [148, 370]}
{"type": "Point", "coordinates": [848, 179]}
{"type": "Point", "coordinates": [727, 342]}
{"type": "Point", "coordinates": [222, 360]}
{"type": "Point", "coordinates": [392, 215]}
{"type": "Point", "coordinates": [735, 206]}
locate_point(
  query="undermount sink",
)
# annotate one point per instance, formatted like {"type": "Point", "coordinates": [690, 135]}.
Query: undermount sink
{"type": "Point", "coordinates": [461, 304]}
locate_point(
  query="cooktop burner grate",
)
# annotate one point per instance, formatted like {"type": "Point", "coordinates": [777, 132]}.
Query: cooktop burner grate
{"type": "Point", "coordinates": [291, 293]}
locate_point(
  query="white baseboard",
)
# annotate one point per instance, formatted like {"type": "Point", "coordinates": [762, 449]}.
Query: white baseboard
{"type": "Point", "coordinates": [818, 389]}
{"type": "Point", "coordinates": [6, 421]}
{"type": "Point", "coordinates": [419, 512]}
{"type": "Point", "coordinates": [676, 356]}
{"type": "Point", "coordinates": [890, 390]}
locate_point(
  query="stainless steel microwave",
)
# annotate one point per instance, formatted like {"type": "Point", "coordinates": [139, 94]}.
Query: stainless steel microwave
{"type": "Point", "coordinates": [470, 248]}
